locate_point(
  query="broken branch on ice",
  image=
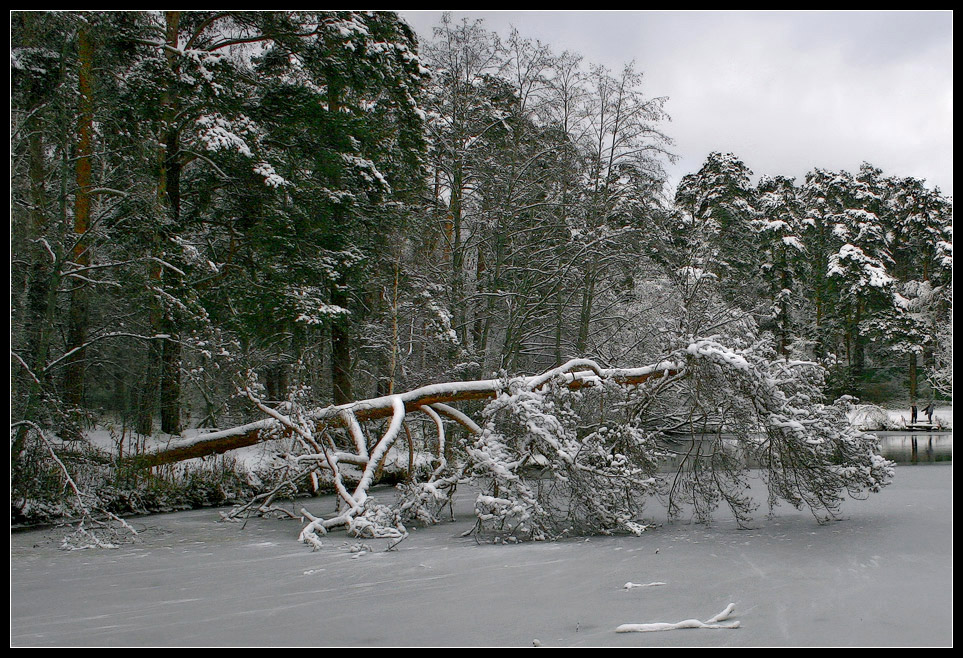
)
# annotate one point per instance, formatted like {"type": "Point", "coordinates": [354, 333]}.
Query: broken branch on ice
{"type": "Point", "coordinates": [631, 585]}
{"type": "Point", "coordinates": [712, 622]}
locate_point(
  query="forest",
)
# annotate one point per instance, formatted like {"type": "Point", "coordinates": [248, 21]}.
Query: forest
{"type": "Point", "coordinates": [256, 219]}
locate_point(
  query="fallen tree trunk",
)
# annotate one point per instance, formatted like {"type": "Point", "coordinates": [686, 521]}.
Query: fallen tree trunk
{"type": "Point", "coordinates": [574, 374]}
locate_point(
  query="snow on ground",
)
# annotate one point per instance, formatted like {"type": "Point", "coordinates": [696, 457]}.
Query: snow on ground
{"type": "Point", "coordinates": [882, 576]}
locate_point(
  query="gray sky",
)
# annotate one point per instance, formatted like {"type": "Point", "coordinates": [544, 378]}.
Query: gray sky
{"type": "Point", "coordinates": [784, 91]}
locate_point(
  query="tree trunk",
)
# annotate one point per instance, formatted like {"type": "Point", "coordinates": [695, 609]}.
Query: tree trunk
{"type": "Point", "coordinates": [439, 395]}
{"type": "Point", "coordinates": [859, 347]}
{"type": "Point", "coordinates": [170, 384]}
{"type": "Point", "coordinates": [42, 282]}
{"type": "Point", "coordinates": [43, 275]}
{"type": "Point", "coordinates": [478, 328]}
{"type": "Point", "coordinates": [393, 361]}
{"type": "Point", "coordinates": [77, 327]}
{"type": "Point", "coordinates": [340, 350]}
{"type": "Point", "coordinates": [341, 388]}
{"type": "Point", "coordinates": [165, 356]}
{"type": "Point", "coordinates": [458, 257]}
{"type": "Point", "coordinates": [912, 378]}
{"type": "Point", "coordinates": [147, 395]}
{"type": "Point", "coordinates": [585, 316]}
{"type": "Point", "coordinates": [276, 382]}
{"type": "Point", "coordinates": [559, 313]}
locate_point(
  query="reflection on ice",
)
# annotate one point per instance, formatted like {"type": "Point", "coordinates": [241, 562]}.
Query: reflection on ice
{"type": "Point", "coordinates": [916, 447]}
{"type": "Point", "coordinates": [901, 447]}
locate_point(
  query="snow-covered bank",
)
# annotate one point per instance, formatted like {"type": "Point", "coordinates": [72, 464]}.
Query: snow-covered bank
{"type": "Point", "coordinates": [870, 418]}
{"type": "Point", "coordinates": [881, 576]}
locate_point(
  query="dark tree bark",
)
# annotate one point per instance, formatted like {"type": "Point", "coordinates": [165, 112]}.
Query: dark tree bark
{"type": "Point", "coordinates": [78, 319]}
{"type": "Point", "coordinates": [340, 351]}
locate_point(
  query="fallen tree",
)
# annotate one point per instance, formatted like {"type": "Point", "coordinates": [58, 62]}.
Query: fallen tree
{"type": "Point", "coordinates": [576, 374]}
{"type": "Point", "coordinates": [579, 448]}
{"type": "Point", "coordinates": [313, 430]}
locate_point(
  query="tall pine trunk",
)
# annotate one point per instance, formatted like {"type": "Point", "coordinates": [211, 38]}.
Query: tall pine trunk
{"type": "Point", "coordinates": [341, 388]}
{"type": "Point", "coordinates": [78, 318]}
{"type": "Point", "coordinates": [170, 372]}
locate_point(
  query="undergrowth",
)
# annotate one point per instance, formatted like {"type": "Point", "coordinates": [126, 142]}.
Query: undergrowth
{"type": "Point", "coordinates": [40, 492]}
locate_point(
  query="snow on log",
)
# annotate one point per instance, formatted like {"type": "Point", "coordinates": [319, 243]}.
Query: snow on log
{"type": "Point", "coordinates": [574, 374]}
{"type": "Point", "coordinates": [685, 623]}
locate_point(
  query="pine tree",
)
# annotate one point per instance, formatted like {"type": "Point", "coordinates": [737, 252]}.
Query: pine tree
{"type": "Point", "coordinates": [721, 197]}
{"type": "Point", "coordinates": [781, 255]}
{"type": "Point", "coordinates": [343, 123]}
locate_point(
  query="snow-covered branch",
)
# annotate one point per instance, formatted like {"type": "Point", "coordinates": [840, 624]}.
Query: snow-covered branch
{"type": "Point", "coordinates": [437, 396]}
{"type": "Point", "coordinates": [712, 622]}
{"type": "Point", "coordinates": [112, 334]}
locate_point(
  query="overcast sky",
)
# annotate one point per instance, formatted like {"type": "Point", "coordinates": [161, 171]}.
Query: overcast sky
{"type": "Point", "coordinates": [784, 91]}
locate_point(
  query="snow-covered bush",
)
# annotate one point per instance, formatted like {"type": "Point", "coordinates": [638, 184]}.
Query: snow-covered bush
{"type": "Point", "coordinates": [424, 501]}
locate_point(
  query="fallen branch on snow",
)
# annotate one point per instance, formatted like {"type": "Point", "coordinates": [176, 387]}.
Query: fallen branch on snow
{"type": "Point", "coordinates": [631, 585]}
{"type": "Point", "coordinates": [686, 623]}
{"type": "Point", "coordinates": [357, 512]}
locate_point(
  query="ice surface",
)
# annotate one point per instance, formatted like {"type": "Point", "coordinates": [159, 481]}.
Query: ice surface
{"type": "Point", "coordinates": [882, 576]}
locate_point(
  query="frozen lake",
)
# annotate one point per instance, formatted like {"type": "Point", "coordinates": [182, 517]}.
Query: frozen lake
{"type": "Point", "coordinates": [882, 576]}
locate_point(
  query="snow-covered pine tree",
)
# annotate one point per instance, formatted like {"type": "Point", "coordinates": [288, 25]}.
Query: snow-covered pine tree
{"type": "Point", "coordinates": [721, 196]}
{"type": "Point", "coordinates": [781, 254]}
